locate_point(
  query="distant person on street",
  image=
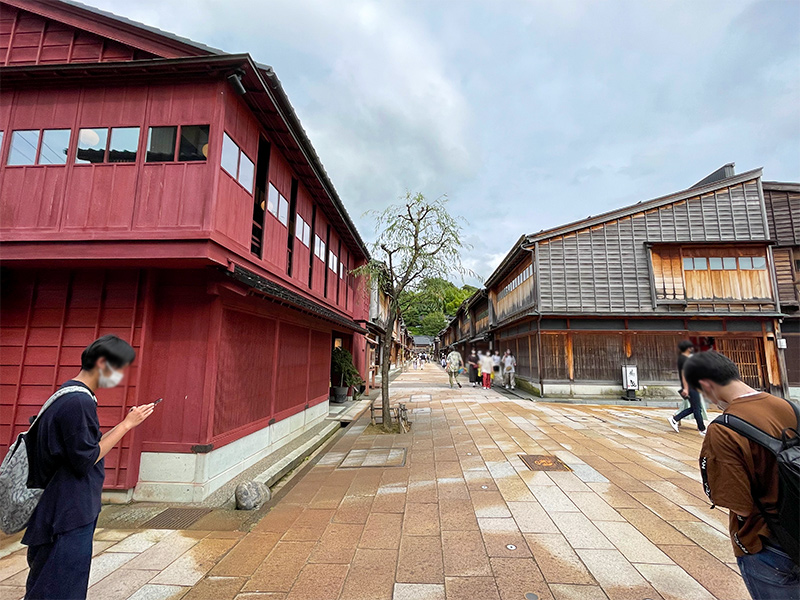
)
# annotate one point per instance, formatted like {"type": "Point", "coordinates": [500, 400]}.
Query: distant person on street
{"type": "Point", "coordinates": [473, 364]}
{"type": "Point", "coordinates": [65, 454]}
{"type": "Point", "coordinates": [509, 370]}
{"type": "Point", "coordinates": [742, 475]}
{"type": "Point", "coordinates": [444, 361]}
{"type": "Point", "coordinates": [685, 350]}
{"type": "Point", "coordinates": [454, 364]}
{"type": "Point", "coordinates": [497, 375]}
{"type": "Point", "coordinates": [486, 370]}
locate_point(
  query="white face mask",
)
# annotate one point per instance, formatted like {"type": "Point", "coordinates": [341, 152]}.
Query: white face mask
{"type": "Point", "coordinates": [110, 381]}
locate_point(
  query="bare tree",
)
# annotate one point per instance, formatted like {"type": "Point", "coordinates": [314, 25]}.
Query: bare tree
{"type": "Point", "coordinates": [417, 239]}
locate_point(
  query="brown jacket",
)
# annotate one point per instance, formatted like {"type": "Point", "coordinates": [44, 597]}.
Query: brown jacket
{"type": "Point", "coordinates": [735, 469]}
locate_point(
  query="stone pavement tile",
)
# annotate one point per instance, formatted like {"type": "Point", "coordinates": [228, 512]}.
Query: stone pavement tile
{"type": "Point", "coordinates": [337, 544]}
{"type": "Point", "coordinates": [319, 582]}
{"type": "Point", "coordinates": [140, 541]}
{"type": "Point", "coordinates": [577, 592]}
{"type": "Point", "coordinates": [553, 499]}
{"type": "Point", "coordinates": [708, 538]}
{"type": "Point", "coordinates": [246, 556]}
{"type": "Point", "coordinates": [653, 527]}
{"type": "Point", "coordinates": [281, 567]}
{"type": "Point", "coordinates": [715, 517]}
{"type": "Point", "coordinates": [279, 519]}
{"type": "Point", "coordinates": [106, 564]}
{"type": "Point", "coordinates": [309, 525]}
{"type": "Point", "coordinates": [11, 565]}
{"type": "Point", "coordinates": [673, 583]}
{"type": "Point", "coordinates": [195, 563]}
{"type": "Point", "coordinates": [516, 577]}
{"type": "Point", "coordinates": [457, 514]}
{"type": "Point", "coordinates": [633, 545]}
{"type": "Point", "coordinates": [498, 534]}
{"type": "Point", "coordinates": [119, 584]}
{"type": "Point", "coordinates": [420, 560]}
{"type": "Point", "coordinates": [18, 579]}
{"type": "Point", "coordinates": [669, 511]}
{"type": "Point", "coordinates": [536, 478]}
{"type": "Point", "coordinates": [158, 557]}
{"type": "Point", "coordinates": [422, 491]}
{"type": "Point", "coordinates": [448, 469]}
{"type": "Point", "coordinates": [614, 495]}
{"type": "Point", "coordinates": [676, 494]}
{"type": "Point", "coordinates": [382, 531]}
{"type": "Point", "coordinates": [532, 518]}
{"type": "Point", "coordinates": [151, 591]}
{"type": "Point", "coordinates": [470, 588]}
{"type": "Point", "coordinates": [418, 591]}
{"type": "Point", "coordinates": [216, 588]}
{"type": "Point", "coordinates": [489, 504]}
{"type": "Point", "coordinates": [371, 575]}
{"type": "Point", "coordinates": [112, 534]}
{"type": "Point", "coordinates": [568, 482]}
{"type": "Point", "coordinates": [389, 499]}
{"type": "Point", "coordinates": [260, 596]}
{"type": "Point", "coordinates": [716, 577]}
{"type": "Point", "coordinates": [17, 592]}
{"type": "Point", "coordinates": [580, 531]}
{"type": "Point", "coordinates": [594, 507]}
{"type": "Point", "coordinates": [451, 488]}
{"type": "Point", "coordinates": [513, 489]}
{"type": "Point", "coordinates": [557, 560]}
{"type": "Point", "coordinates": [464, 554]}
{"type": "Point", "coordinates": [421, 519]}
{"type": "Point", "coordinates": [618, 578]}
{"type": "Point", "coordinates": [477, 479]}
{"type": "Point", "coordinates": [366, 483]}
{"type": "Point", "coordinates": [353, 509]}
{"type": "Point", "coordinates": [99, 546]}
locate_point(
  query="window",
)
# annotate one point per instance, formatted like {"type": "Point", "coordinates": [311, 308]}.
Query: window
{"type": "Point", "coordinates": [246, 172]}
{"type": "Point", "coordinates": [342, 270]}
{"type": "Point", "coordinates": [194, 143]}
{"type": "Point", "coordinates": [161, 144]}
{"type": "Point", "coordinates": [715, 263]}
{"type": "Point", "coordinates": [273, 199]}
{"type": "Point", "coordinates": [55, 145]}
{"type": "Point", "coordinates": [759, 263]}
{"type": "Point", "coordinates": [124, 144]}
{"type": "Point", "coordinates": [306, 234]}
{"type": "Point", "coordinates": [516, 282]}
{"type": "Point", "coordinates": [746, 263]}
{"type": "Point", "coordinates": [729, 263]}
{"type": "Point", "coordinates": [237, 164]}
{"type": "Point", "coordinates": [298, 228]}
{"type": "Point", "coordinates": [283, 210]}
{"type": "Point", "coordinates": [319, 248]}
{"type": "Point", "coordinates": [24, 144]}
{"type": "Point", "coordinates": [333, 262]}
{"type": "Point", "coordinates": [91, 145]}
{"type": "Point", "coordinates": [700, 263]}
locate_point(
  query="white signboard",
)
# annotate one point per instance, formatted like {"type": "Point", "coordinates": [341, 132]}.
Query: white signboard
{"type": "Point", "coordinates": [630, 377]}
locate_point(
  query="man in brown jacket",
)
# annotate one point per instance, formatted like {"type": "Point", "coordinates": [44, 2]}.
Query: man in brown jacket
{"type": "Point", "coordinates": [734, 469]}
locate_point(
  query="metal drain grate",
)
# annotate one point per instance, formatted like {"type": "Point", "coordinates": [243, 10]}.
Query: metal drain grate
{"type": "Point", "coordinates": [374, 457]}
{"type": "Point", "coordinates": [176, 518]}
{"type": "Point", "coordinates": [543, 462]}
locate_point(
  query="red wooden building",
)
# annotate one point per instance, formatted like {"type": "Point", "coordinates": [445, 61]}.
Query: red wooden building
{"type": "Point", "coordinates": [165, 191]}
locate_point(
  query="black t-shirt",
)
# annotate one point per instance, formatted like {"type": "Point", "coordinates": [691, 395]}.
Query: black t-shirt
{"type": "Point", "coordinates": [682, 358]}
{"type": "Point", "coordinates": [63, 446]}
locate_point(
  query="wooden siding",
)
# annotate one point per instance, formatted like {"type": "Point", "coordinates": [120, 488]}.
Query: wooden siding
{"type": "Point", "coordinates": [783, 214]}
{"type": "Point", "coordinates": [509, 301]}
{"type": "Point", "coordinates": [786, 275]}
{"type": "Point", "coordinates": [605, 268]}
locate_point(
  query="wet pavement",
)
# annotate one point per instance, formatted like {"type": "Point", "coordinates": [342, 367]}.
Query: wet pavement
{"type": "Point", "coordinates": [450, 512]}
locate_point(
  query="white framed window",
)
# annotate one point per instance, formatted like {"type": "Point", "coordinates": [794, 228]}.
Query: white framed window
{"type": "Point", "coordinates": [246, 172]}
{"type": "Point", "coordinates": [283, 209]}
{"type": "Point", "coordinates": [298, 227]}
{"type": "Point", "coordinates": [333, 262]}
{"type": "Point", "coordinates": [273, 199]}
{"type": "Point", "coordinates": [236, 163]}
{"type": "Point", "coordinates": [319, 248]}
{"type": "Point", "coordinates": [306, 234]}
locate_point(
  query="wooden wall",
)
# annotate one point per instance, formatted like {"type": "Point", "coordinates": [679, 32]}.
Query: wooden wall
{"type": "Point", "coordinates": [508, 301]}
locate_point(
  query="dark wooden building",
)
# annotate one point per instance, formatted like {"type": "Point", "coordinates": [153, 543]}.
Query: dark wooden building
{"type": "Point", "coordinates": [165, 191]}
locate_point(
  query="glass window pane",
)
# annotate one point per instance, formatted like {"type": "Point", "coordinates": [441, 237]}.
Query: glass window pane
{"type": "Point", "coordinates": [283, 210]}
{"type": "Point", "coordinates": [700, 263]}
{"type": "Point", "coordinates": [23, 147]}
{"type": "Point", "coordinates": [124, 144]}
{"type": "Point", "coordinates": [272, 200]}
{"type": "Point", "coordinates": [194, 142]}
{"type": "Point", "coordinates": [230, 156]}
{"type": "Point", "coordinates": [298, 228]}
{"type": "Point", "coordinates": [759, 262]}
{"type": "Point", "coordinates": [246, 172]}
{"type": "Point", "coordinates": [55, 144]}
{"type": "Point", "coordinates": [91, 145]}
{"type": "Point", "coordinates": [688, 264]}
{"type": "Point", "coordinates": [745, 263]}
{"type": "Point", "coordinates": [729, 262]}
{"type": "Point", "coordinates": [715, 263]}
{"type": "Point", "coordinates": [161, 144]}
{"type": "Point", "coordinates": [306, 234]}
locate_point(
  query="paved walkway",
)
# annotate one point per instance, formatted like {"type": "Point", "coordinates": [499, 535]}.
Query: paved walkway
{"type": "Point", "coordinates": [462, 519]}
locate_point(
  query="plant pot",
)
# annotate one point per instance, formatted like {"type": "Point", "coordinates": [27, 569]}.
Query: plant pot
{"type": "Point", "coordinates": [339, 393]}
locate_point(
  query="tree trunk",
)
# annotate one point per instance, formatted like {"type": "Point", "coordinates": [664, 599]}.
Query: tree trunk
{"type": "Point", "coordinates": [386, 364]}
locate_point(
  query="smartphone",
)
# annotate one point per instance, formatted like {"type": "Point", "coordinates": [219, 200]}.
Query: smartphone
{"type": "Point", "coordinates": [157, 401]}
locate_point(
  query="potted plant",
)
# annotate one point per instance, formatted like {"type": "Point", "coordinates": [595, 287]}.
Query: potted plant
{"type": "Point", "coordinates": [343, 372]}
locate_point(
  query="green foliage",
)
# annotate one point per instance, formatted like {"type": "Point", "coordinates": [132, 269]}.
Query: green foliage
{"type": "Point", "coordinates": [343, 371]}
{"type": "Point", "coordinates": [432, 324]}
{"type": "Point", "coordinates": [433, 296]}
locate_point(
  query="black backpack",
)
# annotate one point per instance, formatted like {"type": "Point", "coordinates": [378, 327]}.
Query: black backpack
{"type": "Point", "coordinates": [785, 526]}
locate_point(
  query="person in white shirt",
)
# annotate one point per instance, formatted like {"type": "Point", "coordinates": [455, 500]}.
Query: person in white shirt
{"type": "Point", "coordinates": [509, 369]}
{"type": "Point", "coordinates": [497, 374]}
{"type": "Point", "coordinates": [486, 370]}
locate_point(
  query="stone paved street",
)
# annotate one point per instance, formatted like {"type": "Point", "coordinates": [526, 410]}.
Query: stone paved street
{"type": "Point", "coordinates": [462, 519]}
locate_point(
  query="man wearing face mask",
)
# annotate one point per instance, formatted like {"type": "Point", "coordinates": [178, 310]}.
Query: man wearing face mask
{"type": "Point", "coordinates": [742, 476]}
{"type": "Point", "coordinates": [65, 455]}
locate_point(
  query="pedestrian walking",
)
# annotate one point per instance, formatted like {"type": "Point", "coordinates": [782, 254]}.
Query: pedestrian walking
{"type": "Point", "coordinates": [454, 365]}
{"type": "Point", "coordinates": [743, 476]}
{"type": "Point", "coordinates": [685, 350]}
{"type": "Point", "coordinates": [473, 364]}
{"type": "Point", "coordinates": [486, 370]}
{"type": "Point", "coordinates": [65, 454]}
{"type": "Point", "coordinates": [509, 370]}
{"type": "Point", "coordinates": [497, 376]}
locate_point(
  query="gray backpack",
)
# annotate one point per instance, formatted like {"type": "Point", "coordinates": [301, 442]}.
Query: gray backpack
{"type": "Point", "coordinates": [17, 502]}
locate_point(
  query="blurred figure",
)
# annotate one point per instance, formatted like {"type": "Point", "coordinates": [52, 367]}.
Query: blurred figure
{"type": "Point", "coordinates": [487, 364]}
{"type": "Point", "coordinates": [473, 364]}
{"type": "Point", "coordinates": [509, 369]}
{"type": "Point", "coordinates": [454, 364]}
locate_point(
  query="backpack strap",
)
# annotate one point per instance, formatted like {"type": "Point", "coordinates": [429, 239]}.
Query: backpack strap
{"type": "Point", "coordinates": [751, 432]}
{"type": "Point", "coordinates": [63, 391]}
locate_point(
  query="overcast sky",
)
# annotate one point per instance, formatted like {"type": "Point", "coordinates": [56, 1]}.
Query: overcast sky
{"type": "Point", "coordinates": [527, 114]}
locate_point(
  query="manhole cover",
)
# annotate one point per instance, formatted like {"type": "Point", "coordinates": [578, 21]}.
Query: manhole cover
{"type": "Point", "coordinates": [374, 457]}
{"type": "Point", "coordinates": [176, 518]}
{"type": "Point", "coordinates": [543, 462]}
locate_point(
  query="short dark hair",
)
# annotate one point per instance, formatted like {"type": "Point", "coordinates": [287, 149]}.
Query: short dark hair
{"type": "Point", "coordinates": [710, 365]}
{"type": "Point", "coordinates": [684, 345]}
{"type": "Point", "coordinates": [116, 351]}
